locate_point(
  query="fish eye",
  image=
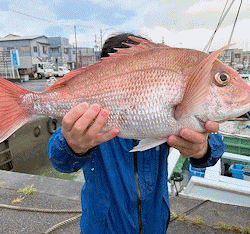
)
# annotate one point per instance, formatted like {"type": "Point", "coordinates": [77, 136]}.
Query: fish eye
{"type": "Point", "coordinates": [222, 78]}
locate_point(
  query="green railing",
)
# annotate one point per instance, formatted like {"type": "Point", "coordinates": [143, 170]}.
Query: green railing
{"type": "Point", "coordinates": [237, 145]}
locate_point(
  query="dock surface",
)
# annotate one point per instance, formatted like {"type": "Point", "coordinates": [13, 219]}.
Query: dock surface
{"type": "Point", "coordinates": [188, 215]}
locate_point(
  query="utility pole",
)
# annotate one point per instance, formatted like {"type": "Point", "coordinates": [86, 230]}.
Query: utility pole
{"type": "Point", "coordinates": [101, 38]}
{"type": "Point", "coordinates": [95, 50]}
{"type": "Point", "coordinates": [76, 48]}
{"type": "Point", "coordinates": [80, 57]}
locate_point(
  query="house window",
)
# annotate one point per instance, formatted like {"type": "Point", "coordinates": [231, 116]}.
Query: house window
{"type": "Point", "coordinates": [237, 55]}
{"type": "Point", "coordinates": [10, 48]}
{"type": "Point", "coordinates": [25, 50]}
{"type": "Point", "coordinates": [35, 49]}
{"type": "Point", "coordinates": [55, 50]}
{"type": "Point", "coordinates": [66, 50]}
{"type": "Point", "coordinates": [44, 50]}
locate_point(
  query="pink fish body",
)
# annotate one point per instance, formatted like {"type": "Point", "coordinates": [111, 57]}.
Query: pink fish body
{"type": "Point", "coordinates": [151, 90]}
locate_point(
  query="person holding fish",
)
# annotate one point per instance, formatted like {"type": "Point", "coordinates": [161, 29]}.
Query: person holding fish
{"type": "Point", "coordinates": [126, 190]}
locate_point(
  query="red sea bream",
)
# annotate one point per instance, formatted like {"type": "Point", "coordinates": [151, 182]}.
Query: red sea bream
{"type": "Point", "coordinates": [151, 90]}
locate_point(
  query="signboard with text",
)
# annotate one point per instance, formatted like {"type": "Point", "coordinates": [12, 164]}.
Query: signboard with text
{"type": "Point", "coordinates": [14, 58]}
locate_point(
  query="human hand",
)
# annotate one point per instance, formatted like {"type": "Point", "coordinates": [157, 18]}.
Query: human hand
{"type": "Point", "coordinates": [82, 126]}
{"type": "Point", "coordinates": [191, 143]}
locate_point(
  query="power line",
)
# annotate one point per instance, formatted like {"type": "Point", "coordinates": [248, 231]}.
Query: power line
{"type": "Point", "coordinates": [34, 17]}
{"type": "Point", "coordinates": [46, 20]}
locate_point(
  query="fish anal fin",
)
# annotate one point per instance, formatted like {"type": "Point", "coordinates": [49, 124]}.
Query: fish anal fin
{"type": "Point", "coordinates": [146, 144]}
{"type": "Point", "coordinates": [198, 85]}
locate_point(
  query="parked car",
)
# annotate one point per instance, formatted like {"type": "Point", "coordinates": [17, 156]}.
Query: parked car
{"type": "Point", "coordinates": [43, 70]}
{"type": "Point", "coordinates": [60, 71]}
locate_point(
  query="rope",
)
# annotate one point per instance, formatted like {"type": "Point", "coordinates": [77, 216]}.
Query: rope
{"type": "Point", "coordinates": [222, 17]}
{"type": "Point", "coordinates": [229, 41]}
{"type": "Point", "coordinates": [19, 208]}
{"type": "Point", "coordinates": [190, 210]}
{"type": "Point", "coordinates": [51, 229]}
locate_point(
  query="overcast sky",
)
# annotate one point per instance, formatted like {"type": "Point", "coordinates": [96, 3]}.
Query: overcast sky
{"type": "Point", "coordinates": [182, 23]}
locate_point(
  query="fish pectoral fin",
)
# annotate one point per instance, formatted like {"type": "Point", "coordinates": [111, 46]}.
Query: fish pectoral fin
{"type": "Point", "coordinates": [146, 144]}
{"type": "Point", "coordinates": [198, 85]}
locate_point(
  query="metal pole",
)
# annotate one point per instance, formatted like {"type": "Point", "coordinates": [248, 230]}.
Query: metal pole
{"type": "Point", "coordinates": [76, 48]}
{"type": "Point", "coordinates": [95, 50]}
{"type": "Point", "coordinates": [101, 37]}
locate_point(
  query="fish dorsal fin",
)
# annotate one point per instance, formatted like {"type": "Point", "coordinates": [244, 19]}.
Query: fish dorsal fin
{"type": "Point", "coordinates": [147, 43]}
{"type": "Point", "coordinates": [197, 85]}
{"type": "Point", "coordinates": [143, 45]}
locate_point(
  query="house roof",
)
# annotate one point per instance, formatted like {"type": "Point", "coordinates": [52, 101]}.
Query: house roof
{"type": "Point", "coordinates": [12, 37]}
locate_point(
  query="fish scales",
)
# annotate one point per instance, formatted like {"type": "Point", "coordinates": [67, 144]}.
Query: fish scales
{"type": "Point", "coordinates": [151, 90]}
{"type": "Point", "coordinates": [106, 80]}
{"type": "Point", "coordinates": [136, 97]}
{"type": "Point", "coordinates": [136, 94]}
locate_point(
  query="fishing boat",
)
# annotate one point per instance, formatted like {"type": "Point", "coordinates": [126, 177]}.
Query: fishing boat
{"type": "Point", "coordinates": [228, 181]}
{"type": "Point", "coordinates": [26, 149]}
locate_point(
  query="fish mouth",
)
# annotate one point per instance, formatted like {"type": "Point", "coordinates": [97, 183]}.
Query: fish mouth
{"type": "Point", "coordinates": [234, 113]}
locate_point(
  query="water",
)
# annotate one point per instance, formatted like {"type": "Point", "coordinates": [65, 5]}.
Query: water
{"type": "Point", "coordinates": [49, 171]}
{"type": "Point", "coordinates": [236, 128]}
{"type": "Point", "coordinates": [35, 85]}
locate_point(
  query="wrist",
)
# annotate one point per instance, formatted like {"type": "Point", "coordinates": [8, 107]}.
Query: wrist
{"type": "Point", "coordinates": [202, 153]}
{"type": "Point", "coordinates": [78, 152]}
{"type": "Point", "coordinates": [201, 160]}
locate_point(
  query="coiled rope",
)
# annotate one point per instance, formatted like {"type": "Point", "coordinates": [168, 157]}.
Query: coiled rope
{"type": "Point", "coordinates": [51, 229]}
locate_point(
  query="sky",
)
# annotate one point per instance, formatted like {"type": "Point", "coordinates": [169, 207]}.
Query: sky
{"type": "Point", "coordinates": [182, 23]}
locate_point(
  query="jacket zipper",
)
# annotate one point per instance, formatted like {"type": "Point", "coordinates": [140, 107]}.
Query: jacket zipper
{"type": "Point", "coordinates": [137, 186]}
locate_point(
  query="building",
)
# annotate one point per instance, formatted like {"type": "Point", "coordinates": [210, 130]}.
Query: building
{"type": "Point", "coordinates": [85, 56]}
{"type": "Point", "coordinates": [60, 51]}
{"type": "Point", "coordinates": [246, 60]}
{"type": "Point", "coordinates": [64, 54]}
{"type": "Point", "coordinates": [31, 49]}
{"type": "Point", "coordinates": [28, 50]}
{"type": "Point", "coordinates": [233, 58]}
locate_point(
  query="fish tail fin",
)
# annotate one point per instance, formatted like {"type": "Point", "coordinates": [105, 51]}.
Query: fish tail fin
{"type": "Point", "coordinates": [13, 113]}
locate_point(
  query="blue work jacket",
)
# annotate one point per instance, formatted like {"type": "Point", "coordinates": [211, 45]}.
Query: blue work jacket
{"type": "Point", "coordinates": [123, 192]}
